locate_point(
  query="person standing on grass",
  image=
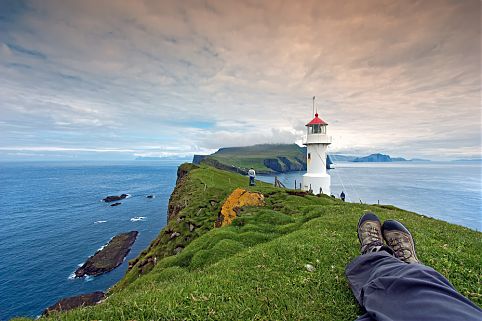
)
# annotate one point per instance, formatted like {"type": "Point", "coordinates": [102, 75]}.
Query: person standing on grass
{"type": "Point", "coordinates": [252, 176]}
{"type": "Point", "coordinates": [391, 283]}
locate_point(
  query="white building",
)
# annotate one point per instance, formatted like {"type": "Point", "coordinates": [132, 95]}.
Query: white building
{"type": "Point", "coordinates": [316, 140]}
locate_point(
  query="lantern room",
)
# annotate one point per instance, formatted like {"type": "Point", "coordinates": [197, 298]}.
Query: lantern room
{"type": "Point", "coordinates": [316, 126]}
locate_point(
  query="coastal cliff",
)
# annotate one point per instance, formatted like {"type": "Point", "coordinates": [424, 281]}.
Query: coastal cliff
{"type": "Point", "coordinates": [254, 264]}
{"type": "Point", "coordinates": [193, 209]}
{"type": "Point", "coordinates": [264, 158]}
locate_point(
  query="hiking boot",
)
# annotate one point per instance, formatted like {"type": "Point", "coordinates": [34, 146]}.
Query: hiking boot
{"type": "Point", "coordinates": [400, 240]}
{"type": "Point", "coordinates": [370, 233]}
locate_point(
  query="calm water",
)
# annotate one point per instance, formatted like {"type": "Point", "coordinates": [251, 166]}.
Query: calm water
{"type": "Point", "coordinates": [52, 219]}
{"type": "Point", "coordinates": [448, 191]}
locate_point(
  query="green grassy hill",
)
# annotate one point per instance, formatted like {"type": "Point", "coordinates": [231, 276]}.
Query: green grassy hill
{"type": "Point", "coordinates": [264, 158]}
{"type": "Point", "coordinates": [255, 269]}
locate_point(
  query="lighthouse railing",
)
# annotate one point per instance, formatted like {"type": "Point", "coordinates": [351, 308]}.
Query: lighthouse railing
{"type": "Point", "coordinates": [316, 139]}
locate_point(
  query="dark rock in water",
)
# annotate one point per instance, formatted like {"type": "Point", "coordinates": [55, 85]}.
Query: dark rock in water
{"type": "Point", "coordinates": [75, 302]}
{"type": "Point", "coordinates": [115, 204]}
{"type": "Point", "coordinates": [150, 196]}
{"type": "Point", "coordinates": [109, 257]}
{"type": "Point", "coordinates": [114, 198]}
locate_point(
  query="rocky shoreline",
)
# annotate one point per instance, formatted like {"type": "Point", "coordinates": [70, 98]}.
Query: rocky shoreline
{"type": "Point", "coordinates": [75, 302]}
{"type": "Point", "coordinates": [109, 257]}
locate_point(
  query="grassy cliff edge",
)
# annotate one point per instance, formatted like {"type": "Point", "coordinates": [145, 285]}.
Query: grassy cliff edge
{"type": "Point", "coordinates": [255, 268]}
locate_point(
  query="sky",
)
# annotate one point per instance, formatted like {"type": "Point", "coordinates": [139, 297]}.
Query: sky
{"type": "Point", "coordinates": [120, 79]}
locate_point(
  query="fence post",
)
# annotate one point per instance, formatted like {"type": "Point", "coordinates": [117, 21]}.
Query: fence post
{"type": "Point", "coordinates": [295, 183]}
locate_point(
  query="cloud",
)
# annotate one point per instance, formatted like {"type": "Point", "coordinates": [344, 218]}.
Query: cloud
{"type": "Point", "coordinates": [387, 74]}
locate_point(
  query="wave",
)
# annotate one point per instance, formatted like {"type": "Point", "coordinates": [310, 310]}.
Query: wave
{"type": "Point", "coordinates": [99, 222]}
{"type": "Point", "coordinates": [103, 246]}
{"type": "Point", "coordinates": [138, 218]}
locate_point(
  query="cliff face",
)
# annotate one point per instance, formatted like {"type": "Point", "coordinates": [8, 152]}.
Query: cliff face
{"type": "Point", "coordinates": [283, 164]}
{"type": "Point", "coordinates": [197, 159]}
{"type": "Point", "coordinates": [265, 159]}
{"type": "Point", "coordinates": [192, 211]}
{"type": "Point", "coordinates": [173, 238]}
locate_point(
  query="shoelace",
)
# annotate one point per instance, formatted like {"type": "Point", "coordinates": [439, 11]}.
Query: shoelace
{"type": "Point", "coordinates": [397, 246]}
{"type": "Point", "coordinates": [373, 237]}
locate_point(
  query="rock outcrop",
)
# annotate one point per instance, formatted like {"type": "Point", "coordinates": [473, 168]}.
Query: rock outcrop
{"type": "Point", "coordinates": [114, 198]}
{"type": "Point", "coordinates": [238, 199]}
{"type": "Point", "coordinates": [109, 257]}
{"type": "Point", "coordinates": [75, 302]}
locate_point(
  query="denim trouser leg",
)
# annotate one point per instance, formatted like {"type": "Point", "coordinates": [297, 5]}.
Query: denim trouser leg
{"type": "Point", "coordinates": [390, 290]}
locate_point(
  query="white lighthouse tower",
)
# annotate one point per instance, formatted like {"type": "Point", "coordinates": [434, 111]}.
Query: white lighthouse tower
{"type": "Point", "coordinates": [316, 140]}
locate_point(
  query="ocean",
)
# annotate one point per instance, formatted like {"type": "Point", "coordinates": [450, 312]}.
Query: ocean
{"type": "Point", "coordinates": [52, 218]}
{"type": "Point", "coordinates": [449, 191]}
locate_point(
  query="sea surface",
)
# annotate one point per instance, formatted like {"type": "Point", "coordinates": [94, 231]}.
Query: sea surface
{"type": "Point", "coordinates": [52, 218]}
{"type": "Point", "coordinates": [449, 191]}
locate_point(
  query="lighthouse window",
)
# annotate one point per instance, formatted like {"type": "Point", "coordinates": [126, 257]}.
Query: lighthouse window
{"type": "Point", "coordinates": [316, 129]}
{"type": "Point", "coordinates": [309, 155]}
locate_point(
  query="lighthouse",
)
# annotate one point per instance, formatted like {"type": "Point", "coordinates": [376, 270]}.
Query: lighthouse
{"type": "Point", "coordinates": [316, 141]}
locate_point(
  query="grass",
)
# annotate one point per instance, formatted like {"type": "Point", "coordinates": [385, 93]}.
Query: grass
{"type": "Point", "coordinates": [254, 156]}
{"type": "Point", "coordinates": [254, 269]}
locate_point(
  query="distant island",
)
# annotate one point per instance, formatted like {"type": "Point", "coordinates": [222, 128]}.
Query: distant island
{"type": "Point", "coordinates": [378, 158]}
{"type": "Point", "coordinates": [278, 158]}
{"type": "Point", "coordinates": [373, 158]}
{"type": "Point", "coordinates": [469, 160]}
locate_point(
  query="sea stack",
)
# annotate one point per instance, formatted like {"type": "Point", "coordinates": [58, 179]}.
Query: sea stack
{"type": "Point", "coordinates": [316, 140]}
